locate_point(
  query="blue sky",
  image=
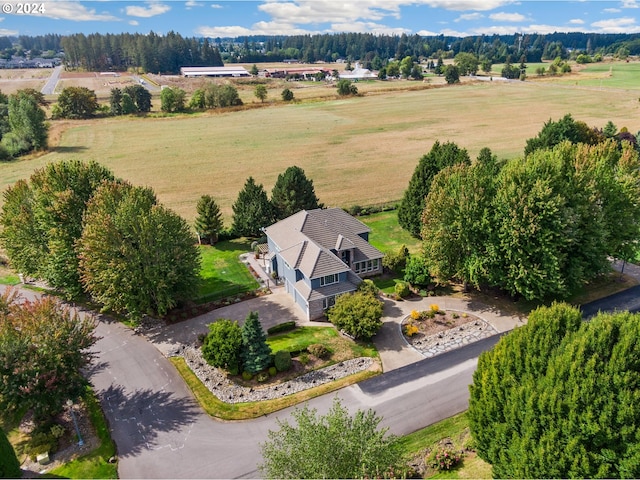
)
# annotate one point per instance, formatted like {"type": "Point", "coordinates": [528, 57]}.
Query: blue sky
{"type": "Point", "coordinates": [232, 18]}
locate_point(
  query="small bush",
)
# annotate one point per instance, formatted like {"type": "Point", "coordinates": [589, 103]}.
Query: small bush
{"type": "Point", "coordinates": [410, 330]}
{"type": "Point", "coordinates": [282, 360]}
{"type": "Point", "coordinates": [273, 371]}
{"type": "Point", "coordinates": [57, 431]}
{"type": "Point", "coordinates": [246, 376]}
{"type": "Point", "coordinates": [443, 459]}
{"type": "Point", "coordinates": [262, 376]}
{"type": "Point", "coordinates": [428, 314]}
{"type": "Point", "coordinates": [455, 315]}
{"type": "Point", "coordinates": [41, 442]}
{"type": "Point", "coordinates": [367, 286]}
{"type": "Point", "coordinates": [402, 289]}
{"type": "Point", "coordinates": [282, 327]}
{"type": "Point", "coordinates": [415, 315]}
{"type": "Point", "coordinates": [303, 358]}
{"type": "Point", "coordinates": [434, 308]}
{"type": "Point", "coordinates": [318, 350]}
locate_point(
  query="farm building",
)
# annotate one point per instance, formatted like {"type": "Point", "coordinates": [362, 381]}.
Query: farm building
{"type": "Point", "coordinates": [359, 73]}
{"type": "Point", "coordinates": [214, 72]}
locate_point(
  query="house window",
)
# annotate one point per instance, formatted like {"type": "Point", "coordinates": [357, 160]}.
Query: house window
{"type": "Point", "coordinates": [328, 302]}
{"type": "Point", "coordinates": [367, 266]}
{"type": "Point", "coordinates": [329, 279]}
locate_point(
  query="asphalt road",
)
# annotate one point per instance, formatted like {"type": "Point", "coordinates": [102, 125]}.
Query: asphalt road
{"type": "Point", "coordinates": [162, 433]}
{"type": "Point", "coordinates": [50, 86]}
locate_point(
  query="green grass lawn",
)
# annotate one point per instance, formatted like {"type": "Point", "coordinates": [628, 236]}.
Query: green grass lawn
{"type": "Point", "coordinates": [387, 235]}
{"type": "Point", "coordinates": [302, 337]}
{"type": "Point", "coordinates": [222, 272]}
{"type": "Point", "coordinates": [456, 429]}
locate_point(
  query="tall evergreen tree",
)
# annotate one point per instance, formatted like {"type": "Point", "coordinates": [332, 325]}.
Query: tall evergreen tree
{"type": "Point", "coordinates": [115, 101]}
{"type": "Point", "coordinates": [256, 353]}
{"type": "Point", "coordinates": [293, 192]}
{"type": "Point", "coordinates": [413, 201]}
{"type": "Point", "coordinates": [9, 464]}
{"type": "Point", "coordinates": [208, 223]}
{"type": "Point", "coordinates": [252, 210]}
{"type": "Point", "coordinates": [140, 96]}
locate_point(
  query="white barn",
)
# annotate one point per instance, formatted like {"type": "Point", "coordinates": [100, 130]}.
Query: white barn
{"type": "Point", "coordinates": [214, 71]}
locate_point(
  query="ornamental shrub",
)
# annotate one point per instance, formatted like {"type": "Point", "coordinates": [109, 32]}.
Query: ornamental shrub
{"type": "Point", "coordinates": [434, 308]}
{"type": "Point", "coordinates": [318, 350]}
{"type": "Point", "coordinates": [402, 289]}
{"type": "Point", "coordinates": [273, 371]}
{"type": "Point", "coordinates": [282, 360]}
{"type": "Point", "coordinates": [246, 376]}
{"type": "Point", "coordinates": [410, 330]}
{"type": "Point", "coordinates": [415, 315]}
{"type": "Point", "coordinates": [443, 459]}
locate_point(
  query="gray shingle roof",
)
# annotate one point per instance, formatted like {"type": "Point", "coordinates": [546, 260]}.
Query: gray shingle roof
{"type": "Point", "coordinates": [305, 240]}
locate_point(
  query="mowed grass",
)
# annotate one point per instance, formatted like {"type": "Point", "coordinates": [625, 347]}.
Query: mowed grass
{"type": "Point", "coordinates": [456, 430]}
{"type": "Point", "coordinates": [386, 233]}
{"type": "Point", "coordinates": [360, 150]}
{"type": "Point", "coordinates": [222, 273]}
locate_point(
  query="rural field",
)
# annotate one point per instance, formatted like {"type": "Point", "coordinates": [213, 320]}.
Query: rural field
{"type": "Point", "coordinates": [358, 151]}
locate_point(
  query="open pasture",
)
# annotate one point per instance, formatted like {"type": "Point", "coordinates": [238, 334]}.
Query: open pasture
{"type": "Point", "coordinates": [360, 150]}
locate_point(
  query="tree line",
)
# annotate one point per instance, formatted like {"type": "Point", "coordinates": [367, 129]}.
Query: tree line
{"type": "Point", "coordinates": [167, 53]}
{"type": "Point", "coordinates": [537, 227]}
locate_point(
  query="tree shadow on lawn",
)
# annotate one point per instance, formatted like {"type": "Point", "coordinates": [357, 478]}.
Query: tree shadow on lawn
{"type": "Point", "coordinates": [147, 419]}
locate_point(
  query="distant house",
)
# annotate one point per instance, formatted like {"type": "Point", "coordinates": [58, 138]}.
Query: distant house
{"type": "Point", "coordinates": [214, 72]}
{"type": "Point", "coordinates": [321, 254]}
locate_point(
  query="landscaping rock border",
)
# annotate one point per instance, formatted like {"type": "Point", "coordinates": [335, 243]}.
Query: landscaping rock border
{"type": "Point", "coordinates": [230, 392]}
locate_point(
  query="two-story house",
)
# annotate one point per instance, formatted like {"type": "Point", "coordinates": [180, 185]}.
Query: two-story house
{"type": "Point", "coordinates": [320, 254]}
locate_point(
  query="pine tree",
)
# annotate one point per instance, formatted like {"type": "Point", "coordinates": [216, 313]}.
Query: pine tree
{"type": "Point", "coordinates": [256, 353]}
{"type": "Point", "coordinates": [413, 202]}
{"type": "Point", "coordinates": [252, 210]}
{"type": "Point", "coordinates": [9, 464]}
{"type": "Point", "coordinates": [209, 220]}
{"type": "Point", "coordinates": [293, 192]}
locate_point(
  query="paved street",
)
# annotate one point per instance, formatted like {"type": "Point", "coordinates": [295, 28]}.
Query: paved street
{"type": "Point", "coordinates": [161, 432]}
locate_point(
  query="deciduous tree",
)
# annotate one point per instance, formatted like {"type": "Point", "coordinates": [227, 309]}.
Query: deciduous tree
{"type": "Point", "coordinates": [136, 257]}
{"type": "Point", "coordinates": [43, 346]}
{"type": "Point", "coordinates": [359, 314]}
{"type": "Point", "coordinates": [42, 220]}
{"type": "Point", "coordinates": [293, 192]}
{"type": "Point", "coordinates": [261, 92]}
{"type": "Point", "coordinates": [346, 87]}
{"type": "Point", "coordinates": [76, 102]}
{"type": "Point", "coordinates": [252, 210]}
{"type": "Point", "coordinates": [27, 122]}
{"type": "Point", "coordinates": [335, 445]}
{"type": "Point", "coordinates": [172, 99]}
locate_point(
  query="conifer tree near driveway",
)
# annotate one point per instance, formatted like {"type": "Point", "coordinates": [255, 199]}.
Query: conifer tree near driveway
{"type": "Point", "coordinates": [256, 352]}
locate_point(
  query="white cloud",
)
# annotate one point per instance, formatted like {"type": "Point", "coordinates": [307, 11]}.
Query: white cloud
{"type": "Point", "coordinates": [134, 22]}
{"type": "Point", "coordinates": [215, 5]}
{"type": "Point", "coordinates": [576, 21]}
{"type": "Point", "coordinates": [192, 3]}
{"type": "Point", "coordinates": [617, 25]}
{"type": "Point", "coordinates": [426, 33]}
{"type": "Point", "coordinates": [461, 5]}
{"type": "Point", "coordinates": [630, 4]}
{"type": "Point", "coordinates": [5, 32]}
{"type": "Point", "coordinates": [612, 10]}
{"type": "Point", "coordinates": [368, 27]}
{"type": "Point", "coordinates": [469, 17]}
{"type": "Point", "coordinates": [507, 17]}
{"type": "Point", "coordinates": [73, 10]}
{"type": "Point", "coordinates": [153, 9]}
